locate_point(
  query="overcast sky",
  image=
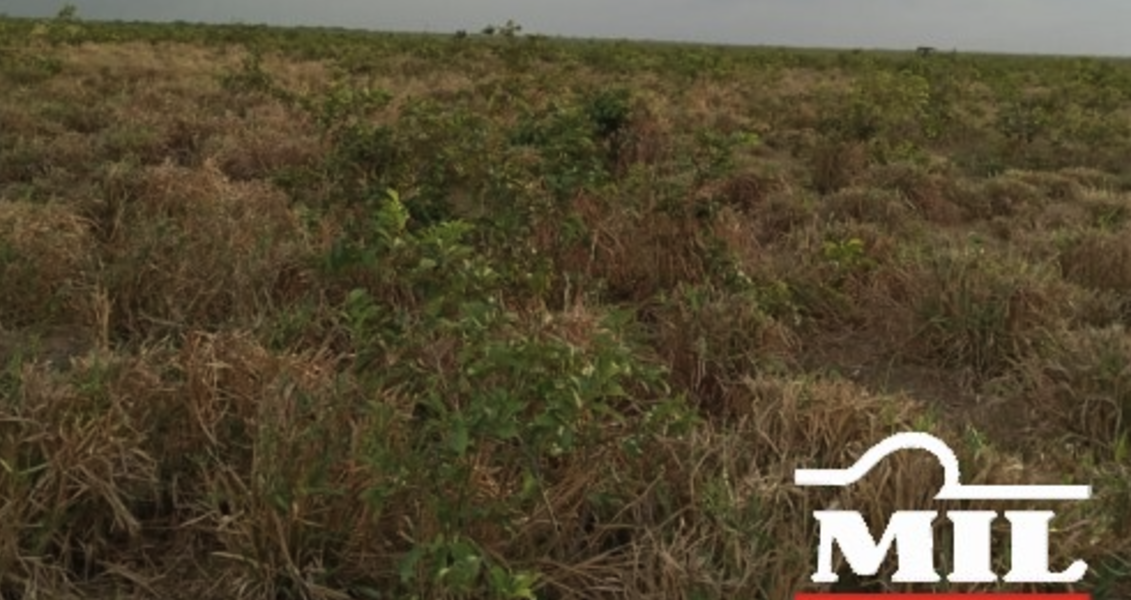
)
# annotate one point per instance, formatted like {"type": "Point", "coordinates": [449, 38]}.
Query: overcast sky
{"type": "Point", "coordinates": [1026, 26]}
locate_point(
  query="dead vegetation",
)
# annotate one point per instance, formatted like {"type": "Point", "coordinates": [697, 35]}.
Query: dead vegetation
{"type": "Point", "coordinates": [234, 364]}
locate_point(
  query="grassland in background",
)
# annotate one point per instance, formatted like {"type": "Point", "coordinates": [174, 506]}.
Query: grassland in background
{"type": "Point", "coordinates": [313, 314]}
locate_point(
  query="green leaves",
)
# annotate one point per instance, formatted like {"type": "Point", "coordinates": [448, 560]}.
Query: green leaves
{"type": "Point", "coordinates": [457, 566]}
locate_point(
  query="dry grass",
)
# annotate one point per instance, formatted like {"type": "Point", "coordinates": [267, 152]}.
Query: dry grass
{"type": "Point", "coordinates": [49, 258]}
{"type": "Point", "coordinates": [1100, 261]}
{"type": "Point", "coordinates": [188, 247]}
{"type": "Point", "coordinates": [198, 400]}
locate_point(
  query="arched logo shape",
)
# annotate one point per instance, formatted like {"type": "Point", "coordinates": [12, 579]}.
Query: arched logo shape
{"type": "Point", "coordinates": [952, 488]}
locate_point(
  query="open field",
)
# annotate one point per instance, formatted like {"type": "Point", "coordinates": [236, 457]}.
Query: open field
{"type": "Point", "coordinates": [304, 314]}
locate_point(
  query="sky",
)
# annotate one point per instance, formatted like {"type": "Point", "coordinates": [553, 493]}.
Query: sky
{"type": "Point", "coordinates": [1081, 27]}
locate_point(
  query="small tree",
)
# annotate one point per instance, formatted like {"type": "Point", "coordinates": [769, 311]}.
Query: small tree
{"type": "Point", "coordinates": [68, 13]}
{"type": "Point", "coordinates": [511, 29]}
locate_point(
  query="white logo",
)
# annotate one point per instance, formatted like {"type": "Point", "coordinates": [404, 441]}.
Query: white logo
{"type": "Point", "coordinates": [911, 531]}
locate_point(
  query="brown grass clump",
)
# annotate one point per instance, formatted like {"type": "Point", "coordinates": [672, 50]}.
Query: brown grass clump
{"type": "Point", "coordinates": [260, 421]}
{"type": "Point", "coordinates": [710, 340]}
{"type": "Point", "coordinates": [1083, 387]}
{"type": "Point", "coordinates": [636, 254]}
{"type": "Point", "coordinates": [1007, 195]}
{"type": "Point", "coordinates": [644, 140]}
{"type": "Point", "coordinates": [198, 250]}
{"type": "Point", "coordinates": [17, 121]}
{"type": "Point", "coordinates": [56, 346]}
{"type": "Point", "coordinates": [1107, 210]}
{"type": "Point", "coordinates": [81, 471]}
{"type": "Point", "coordinates": [299, 76]}
{"type": "Point", "coordinates": [71, 149]}
{"type": "Point", "coordinates": [834, 165]}
{"type": "Point", "coordinates": [270, 139]}
{"type": "Point", "coordinates": [1099, 261]}
{"type": "Point", "coordinates": [977, 310]}
{"type": "Point", "coordinates": [1061, 216]}
{"type": "Point", "coordinates": [868, 205]}
{"type": "Point", "coordinates": [1089, 177]}
{"type": "Point", "coordinates": [926, 192]}
{"type": "Point", "coordinates": [783, 214]}
{"type": "Point", "coordinates": [1059, 186]}
{"type": "Point", "coordinates": [748, 191]}
{"type": "Point", "coordinates": [47, 255]}
{"type": "Point", "coordinates": [153, 73]}
{"type": "Point", "coordinates": [258, 153]}
{"type": "Point", "coordinates": [741, 474]}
